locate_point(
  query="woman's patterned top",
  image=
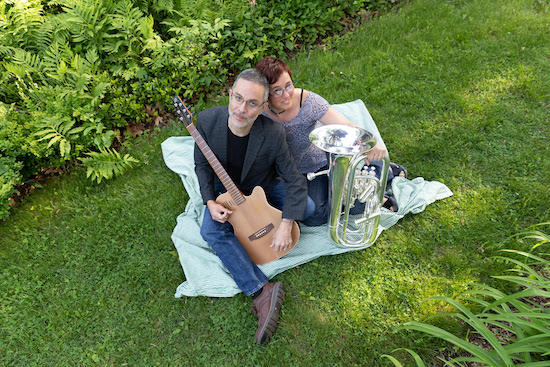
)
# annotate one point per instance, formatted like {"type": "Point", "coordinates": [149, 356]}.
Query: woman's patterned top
{"type": "Point", "coordinates": [307, 157]}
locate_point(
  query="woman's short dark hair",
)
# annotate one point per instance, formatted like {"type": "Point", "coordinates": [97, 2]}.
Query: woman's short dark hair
{"type": "Point", "coordinates": [272, 68]}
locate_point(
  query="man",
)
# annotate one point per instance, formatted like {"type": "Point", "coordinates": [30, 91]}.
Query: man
{"type": "Point", "coordinates": [253, 150]}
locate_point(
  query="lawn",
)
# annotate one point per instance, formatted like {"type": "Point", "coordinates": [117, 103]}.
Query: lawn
{"type": "Point", "coordinates": [460, 91]}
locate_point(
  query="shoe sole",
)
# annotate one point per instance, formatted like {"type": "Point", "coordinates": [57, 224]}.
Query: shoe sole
{"type": "Point", "coordinates": [271, 324]}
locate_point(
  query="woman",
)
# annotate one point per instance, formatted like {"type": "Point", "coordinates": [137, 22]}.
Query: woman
{"type": "Point", "coordinates": [299, 111]}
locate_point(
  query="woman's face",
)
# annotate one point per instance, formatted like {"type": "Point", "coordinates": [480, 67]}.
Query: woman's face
{"type": "Point", "coordinates": [281, 92]}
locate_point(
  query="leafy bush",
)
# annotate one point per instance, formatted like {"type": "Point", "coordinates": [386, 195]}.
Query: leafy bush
{"type": "Point", "coordinates": [514, 327]}
{"type": "Point", "coordinates": [9, 177]}
{"type": "Point", "coordinates": [75, 73]}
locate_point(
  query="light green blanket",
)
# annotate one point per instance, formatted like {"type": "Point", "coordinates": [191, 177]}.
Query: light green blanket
{"type": "Point", "coordinates": [206, 276]}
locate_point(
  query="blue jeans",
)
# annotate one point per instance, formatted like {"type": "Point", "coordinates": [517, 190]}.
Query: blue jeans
{"type": "Point", "coordinates": [220, 237]}
{"type": "Point", "coordinates": [317, 191]}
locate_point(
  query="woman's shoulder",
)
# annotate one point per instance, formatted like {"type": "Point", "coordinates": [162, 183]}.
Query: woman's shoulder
{"type": "Point", "coordinates": [311, 97]}
{"type": "Point", "coordinates": [313, 107]}
{"type": "Point", "coordinates": [302, 93]}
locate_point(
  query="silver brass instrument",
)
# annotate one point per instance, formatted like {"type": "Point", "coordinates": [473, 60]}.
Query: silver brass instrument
{"type": "Point", "coordinates": [351, 181]}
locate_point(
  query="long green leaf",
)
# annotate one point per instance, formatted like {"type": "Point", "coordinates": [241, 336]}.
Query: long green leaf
{"type": "Point", "coordinates": [536, 364]}
{"type": "Point", "coordinates": [477, 324]}
{"type": "Point", "coordinates": [529, 315]}
{"type": "Point", "coordinates": [529, 255]}
{"type": "Point", "coordinates": [419, 362]}
{"type": "Point", "coordinates": [484, 355]}
{"type": "Point", "coordinates": [519, 263]}
{"type": "Point", "coordinates": [529, 292]}
{"type": "Point", "coordinates": [530, 346]}
{"type": "Point", "coordinates": [525, 281]}
{"type": "Point", "coordinates": [465, 359]}
{"type": "Point", "coordinates": [520, 326]}
{"type": "Point", "coordinates": [393, 359]}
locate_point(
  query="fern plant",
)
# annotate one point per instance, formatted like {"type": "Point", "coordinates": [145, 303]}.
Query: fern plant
{"type": "Point", "coordinates": [88, 20]}
{"type": "Point", "coordinates": [60, 131]}
{"type": "Point", "coordinates": [21, 22]}
{"type": "Point", "coordinates": [106, 164]}
{"type": "Point", "coordinates": [126, 41]}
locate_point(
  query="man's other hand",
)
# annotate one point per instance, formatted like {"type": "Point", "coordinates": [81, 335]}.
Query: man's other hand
{"type": "Point", "coordinates": [282, 239]}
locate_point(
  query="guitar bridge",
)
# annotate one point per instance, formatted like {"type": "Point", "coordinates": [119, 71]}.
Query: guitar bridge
{"type": "Point", "coordinates": [261, 232]}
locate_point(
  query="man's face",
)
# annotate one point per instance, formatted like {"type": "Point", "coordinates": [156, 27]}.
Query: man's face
{"type": "Point", "coordinates": [246, 102]}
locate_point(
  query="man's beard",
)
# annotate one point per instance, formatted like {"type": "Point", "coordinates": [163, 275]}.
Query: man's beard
{"type": "Point", "coordinates": [240, 125]}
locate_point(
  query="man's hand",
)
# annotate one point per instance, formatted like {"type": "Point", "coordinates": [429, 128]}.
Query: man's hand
{"type": "Point", "coordinates": [376, 154]}
{"type": "Point", "coordinates": [282, 239]}
{"type": "Point", "coordinates": [218, 212]}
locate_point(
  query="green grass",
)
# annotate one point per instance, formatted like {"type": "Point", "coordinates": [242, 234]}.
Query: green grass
{"type": "Point", "coordinates": [460, 90]}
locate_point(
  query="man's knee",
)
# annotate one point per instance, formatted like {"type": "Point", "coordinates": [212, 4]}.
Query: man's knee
{"type": "Point", "coordinates": [310, 208]}
{"type": "Point", "coordinates": [212, 231]}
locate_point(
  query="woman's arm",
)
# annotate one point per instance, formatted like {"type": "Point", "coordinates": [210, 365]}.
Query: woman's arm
{"type": "Point", "coordinates": [333, 117]}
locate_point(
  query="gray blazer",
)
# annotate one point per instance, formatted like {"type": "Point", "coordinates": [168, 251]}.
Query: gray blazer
{"type": "Point", "coordinates": [267, 157]}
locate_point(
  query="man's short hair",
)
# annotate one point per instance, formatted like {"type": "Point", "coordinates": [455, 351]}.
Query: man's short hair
{"type": "Point", "coordinates": [254, 76]}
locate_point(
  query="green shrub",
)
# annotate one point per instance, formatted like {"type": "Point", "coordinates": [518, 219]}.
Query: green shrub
{"type": "Point", "coordinates": [9, 177]}
{"type": "Point", "coordinates": [76, 72]}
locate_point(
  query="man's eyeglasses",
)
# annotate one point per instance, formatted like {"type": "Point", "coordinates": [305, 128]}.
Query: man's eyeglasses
{"type": "Point", "coordinates": [279, 91]}
{"type": "Point", "coordinates": [251, 103]}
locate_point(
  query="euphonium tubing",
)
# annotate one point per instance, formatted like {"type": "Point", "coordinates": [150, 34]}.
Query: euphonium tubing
{"type": "Point", "coordinates": [349, 182]}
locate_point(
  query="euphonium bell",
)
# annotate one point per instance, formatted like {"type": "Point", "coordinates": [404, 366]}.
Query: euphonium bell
{"type": "Point", "coordinates": [351, 185]}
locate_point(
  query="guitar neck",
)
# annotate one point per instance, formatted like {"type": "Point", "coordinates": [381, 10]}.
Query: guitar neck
{"type": "Point", "coordinates": [222, 174]}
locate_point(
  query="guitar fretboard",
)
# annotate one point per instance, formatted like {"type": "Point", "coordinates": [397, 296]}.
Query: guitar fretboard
{"type": "Point", "coordinates": [222, 174]}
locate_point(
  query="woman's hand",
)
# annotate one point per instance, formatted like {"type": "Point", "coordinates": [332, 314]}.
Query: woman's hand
{"type": "Point", "coordinates": [218, 212]}
{"type": "Point", "coordinates": [376, 154]}
{"type": "Point", "coordinates": [282, 239]}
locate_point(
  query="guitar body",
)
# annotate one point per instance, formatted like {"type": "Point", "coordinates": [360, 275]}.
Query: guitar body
{"type": "Point", "coordinates": [255, 222]}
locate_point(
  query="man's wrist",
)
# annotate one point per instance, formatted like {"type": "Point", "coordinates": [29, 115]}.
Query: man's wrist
{"type": "Point", "coordinates": [288, 221]}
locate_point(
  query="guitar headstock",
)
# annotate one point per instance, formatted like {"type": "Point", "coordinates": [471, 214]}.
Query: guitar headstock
{"type": "Point", "coordinates": [184, 115]}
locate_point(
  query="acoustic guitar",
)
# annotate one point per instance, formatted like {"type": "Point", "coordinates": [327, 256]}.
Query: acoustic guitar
{"type": "Point", "coordinates": [254, 221]}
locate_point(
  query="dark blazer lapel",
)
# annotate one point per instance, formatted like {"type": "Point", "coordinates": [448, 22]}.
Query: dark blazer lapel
{"type": "Point", "coordinates": [218, 143]}
{"type": "Point", "coordinates": [255, 142]}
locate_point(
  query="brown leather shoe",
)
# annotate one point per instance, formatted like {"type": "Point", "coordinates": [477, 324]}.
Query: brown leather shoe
{"type": "Point", "coordinates": [266, 308]}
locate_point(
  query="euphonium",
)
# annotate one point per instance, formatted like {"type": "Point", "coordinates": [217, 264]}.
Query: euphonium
{"type": "Point", "coordinates": [351, 184]}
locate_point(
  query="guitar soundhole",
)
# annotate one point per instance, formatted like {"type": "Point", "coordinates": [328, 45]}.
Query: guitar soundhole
{"type": "Point", "coordinates": [261, 232]}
